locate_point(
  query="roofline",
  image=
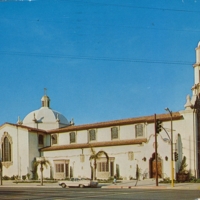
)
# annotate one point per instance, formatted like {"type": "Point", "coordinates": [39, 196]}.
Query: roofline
{"type": "Point", "coordinates": [148, 119]}
{"type": "Point", "coordinates": [144, 119]}
{"type": "Point", "coordinates": [25, 127]}
{"type": "Point", "coordinates": [96, 144]}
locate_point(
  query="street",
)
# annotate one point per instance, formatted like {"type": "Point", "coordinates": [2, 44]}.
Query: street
{"type": "Point", "coordinates": [28, 193]}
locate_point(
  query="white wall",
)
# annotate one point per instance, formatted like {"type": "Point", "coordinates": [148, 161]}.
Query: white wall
{"type": "Point", "coordinates": [184, 127]}
{"type": "Point", "coordinates": [25, 148]}
{"type": "Point", "coordinates": [20, 150]}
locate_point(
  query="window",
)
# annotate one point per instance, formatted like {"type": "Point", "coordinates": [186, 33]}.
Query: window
{"type": "Point", "coordinates": [114, 133]}
{"type": "Point", "coordinates": [59, 168]}
{"type": "Point", "coordinates": [6, 146]}
{"type": "Point", "coordinates": [40, 139]}
{"type": "Point", "coordinates": [139, 130]}
{"type": "Point", "coordinates": [54, 139]}
{"type": "Point", "coordinates": [199, 76]}
{"type": "Point", "coordinates": [112, 168]}
{"type": "Point", "coordinates": [67, 170]}
{"type": "Point", "coordinates": [72, 136]}
{"type": "Point", "coordinates": [102, 167]}
{"type": "Point", "coordinates": [92, 135]}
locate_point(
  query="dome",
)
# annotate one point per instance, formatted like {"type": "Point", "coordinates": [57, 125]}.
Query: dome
{"type": "Point", "coordinates": [43, 115]}
{"type": "Point", "coordinates": [45, 118]}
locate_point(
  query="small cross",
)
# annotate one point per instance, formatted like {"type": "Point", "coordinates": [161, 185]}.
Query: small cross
{"type": "Point", "coordinates": [45, 91]}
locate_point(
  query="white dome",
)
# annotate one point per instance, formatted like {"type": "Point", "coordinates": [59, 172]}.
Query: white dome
{"type": "Point", "coordinates": [43, 115]}
{"type": "Point", "coordinates": [45, 118]}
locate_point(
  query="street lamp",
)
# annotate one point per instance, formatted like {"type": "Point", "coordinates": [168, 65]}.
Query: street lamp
{"type": "Point", "coordinates": [172, 164]}
{"type": "Point", "coordinates": [1, 173]}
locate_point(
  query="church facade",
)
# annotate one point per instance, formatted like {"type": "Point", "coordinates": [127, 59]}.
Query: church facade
{"type": "Point", "coordinates": [128, 143]}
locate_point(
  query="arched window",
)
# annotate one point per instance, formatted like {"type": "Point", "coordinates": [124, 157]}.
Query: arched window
{"type": "Point", "coordinates": [6, 150]}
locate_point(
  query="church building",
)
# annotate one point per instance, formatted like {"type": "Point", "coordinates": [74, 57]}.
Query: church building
{"type": "Point", "coordinates": [126, 144]}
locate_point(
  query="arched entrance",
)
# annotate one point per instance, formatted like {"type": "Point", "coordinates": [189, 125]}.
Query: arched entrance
{"type": "Point", "coordinates": [152, 166]}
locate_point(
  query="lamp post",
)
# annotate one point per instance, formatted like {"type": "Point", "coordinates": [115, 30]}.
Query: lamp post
{"type": "Point", "coordinates": [172, 164]}
{"type": "Point", "coordinates": [1, 167]}
{"type": "Point", "coordinates": [1, 173]}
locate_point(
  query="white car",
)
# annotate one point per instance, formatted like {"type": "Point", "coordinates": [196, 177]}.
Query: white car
{"type": "Point", "coordinates": [77, 182]}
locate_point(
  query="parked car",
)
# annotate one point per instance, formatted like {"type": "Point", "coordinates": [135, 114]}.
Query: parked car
{"type": "Point", "coordinates": [77, 182]}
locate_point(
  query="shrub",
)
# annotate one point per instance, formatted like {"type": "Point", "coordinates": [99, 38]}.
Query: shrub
{"type": "Point", "coordinates": [12, 177]}
{"type": "Point", "coordinates": [166, 180]}
{"type": "Point", "coordinates": [28, 176]}
{"type": "Point", "coordinates": [198, 181]}
{"type": "Point", "coordinates": [6, 177]}
{"type": "Point", "coordinates": [192, 179]}
{"type": "Point", "coordinates": [183, 166]}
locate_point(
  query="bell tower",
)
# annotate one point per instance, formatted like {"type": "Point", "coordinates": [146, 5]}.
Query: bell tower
{"type": "Point", "coordinates": [196, 87]}
{"type": "Point", "coordinates": [196, 107]}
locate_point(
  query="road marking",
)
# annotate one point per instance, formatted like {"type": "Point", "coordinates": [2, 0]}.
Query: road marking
{"type": "Point", "coordinates": [92, 196]}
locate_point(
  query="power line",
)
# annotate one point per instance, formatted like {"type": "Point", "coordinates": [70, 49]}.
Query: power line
{"type": "Point", "coordinates": [138, 7]}
{"type": "Point", "coordinates": [110, 59]}
{"type": "Point", "coordinates": [81, 22]}
{"type": "Point", "coordinates": [117, 5]}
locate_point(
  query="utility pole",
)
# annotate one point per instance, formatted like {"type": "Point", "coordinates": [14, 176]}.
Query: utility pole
{"type": "Point", "coordinates": [1, 173]}
{"type": "Point", "coordinates": [172, 162]}
{"type": "Point", "coordinates": [156, 157]}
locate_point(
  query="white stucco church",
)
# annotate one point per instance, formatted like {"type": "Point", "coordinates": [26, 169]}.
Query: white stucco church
{"type": "Point", "coordinates": [128, 142]}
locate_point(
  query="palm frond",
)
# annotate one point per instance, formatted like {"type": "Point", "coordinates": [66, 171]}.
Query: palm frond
{"type": "Point", "coordinates": [42, 162]}
{"type": "Point", "coordinates": [100, 153]}
{"type": "Point", "coordinates": [92, 150]}
{"type": "Point", "coordinates": [93, 156]}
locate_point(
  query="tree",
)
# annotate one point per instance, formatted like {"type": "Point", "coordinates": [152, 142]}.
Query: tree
{"type": "Point", "coordinates": [42, 162]}
{"type": "Point", "coordinates": [183, 174]}
{"type": "Point", "coordinates": [183, 166]}
{"type": "Point", "coordinates": [95, 156]}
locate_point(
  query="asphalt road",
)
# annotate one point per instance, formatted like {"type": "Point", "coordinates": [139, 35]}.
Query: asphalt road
{"type": "Point", "coordinates": [95, 193]}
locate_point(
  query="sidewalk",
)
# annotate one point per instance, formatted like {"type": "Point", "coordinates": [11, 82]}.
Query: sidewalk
{"type": "Point", "coordinates": [151, 184]}
{"type": "Point", "coordinates": [10, 183]}
{"type": "Point", "coordinates": [125, 184]}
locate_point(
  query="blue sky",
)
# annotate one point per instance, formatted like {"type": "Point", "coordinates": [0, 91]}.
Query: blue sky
{"type": "Point", "coordinates": [99, 60]}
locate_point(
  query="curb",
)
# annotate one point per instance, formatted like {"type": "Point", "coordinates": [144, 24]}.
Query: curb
{"type": "Point", "coordinates": [135, 187]}
{"type": "Point", "coordinates": [29, 186]}
{"type": "Point", "coordinates": [152, 187]}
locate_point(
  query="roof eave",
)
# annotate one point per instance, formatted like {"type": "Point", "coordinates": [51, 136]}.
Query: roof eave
{"type": "Point", "coordinates": [146, 119]}
{"type": "Point", "coordinates": [96, 144]}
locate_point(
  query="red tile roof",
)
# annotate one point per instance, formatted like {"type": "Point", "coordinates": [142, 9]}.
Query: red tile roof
{"type": "Point", "coordinates": [148, 119]}
{"type": "Point", "coordinates": [96, 144]}
{"type": "Point", "coordinates": [25, 127]}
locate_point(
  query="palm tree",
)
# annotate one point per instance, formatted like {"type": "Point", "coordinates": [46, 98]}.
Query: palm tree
{"type": "Point", "coordinates": [95, 156]}
{"type": "Point", "coordinates": [42, 162]}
